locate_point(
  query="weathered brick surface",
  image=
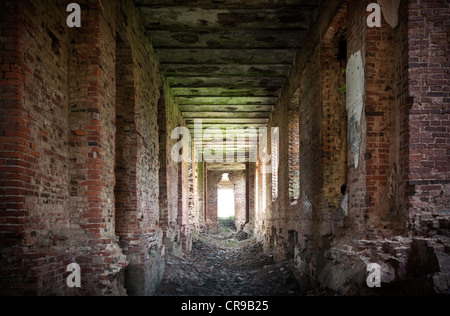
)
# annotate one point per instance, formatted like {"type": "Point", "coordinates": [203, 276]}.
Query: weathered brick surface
{"type": "Point", "coordinates": [68, 135]}
{"type": "Point", "coordinates": [86, 172]}
{"type": "Point", "coordinates": [174, 188]}
{"type": "Point", "coordinates": [428, 81]}
{"type": "Point", "coordinates": [34, 177]}
{"type": "Point", "coordinates": [138, 96]}
{"type": "Point", "coordinates": [92, 147]}
{"type": "Point", "coordinates": [294, 148]}
{"type": "Point", "coordinates": [401, 179]}
{"type": "Point", "coordinates": [251, 196]}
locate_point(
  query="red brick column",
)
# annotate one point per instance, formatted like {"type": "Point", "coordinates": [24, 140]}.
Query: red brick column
{"type": "Point", "coordinates": [429, 116]}
{"type": "Point", "coordinates": [92, 143]}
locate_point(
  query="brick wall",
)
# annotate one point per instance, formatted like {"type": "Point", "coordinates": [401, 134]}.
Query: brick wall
{"type": "Point", "coordinates": [428, 80]}
{"type": "Point", "coordinates": [334, 129]}
{"type": "Point", "coordinates": [59, 205]}
{"type": "Point", "coordinates": [356, 37]}
{"type": "Point", "coordinates": [79, 159]}
{"type": "Point", "coordinates": [239, 178]}
{"type": "Point", "coordinates": [175, 185]}
{"type": "Point", "coordinates": [381, 164]}
{"type": "Point", "coordinates": [200, 196]}
{"type": "Point", "coordinates": [138, 95]}
{"type": "Point", "coordinates": [34, 177]}
{"type": "Point", "coordinates": [294, 148]}
{"type": "Point", "coordinates": [399, 180]}
{"type": "Point", "coordinates": [251, 192]}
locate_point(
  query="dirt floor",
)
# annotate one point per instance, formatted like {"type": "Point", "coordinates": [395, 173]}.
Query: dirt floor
{"type": "Point", "coordinates": [227, 264]}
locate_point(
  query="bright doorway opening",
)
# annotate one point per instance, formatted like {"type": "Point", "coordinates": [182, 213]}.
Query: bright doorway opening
{"type": "Point", "coordinates": [225, 198]}
{"type": "Point", "coordinates": [226, 203]}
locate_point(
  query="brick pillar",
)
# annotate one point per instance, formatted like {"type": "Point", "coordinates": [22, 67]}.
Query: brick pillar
{"type": "Point", "coordinates": [200, 195]}
{"type": "Point", "coordinates": [92, 150]}
{"type": "Point", "coordinates": [381, 124]}
{"type": "Point", "coordinates": [163, 193]}
{"type": "Point", "coordinates": [334, 122]}
{"type": "Point", "coordinates": [239, 178]}
{"type": "Point", "coordinates": [15, 145]}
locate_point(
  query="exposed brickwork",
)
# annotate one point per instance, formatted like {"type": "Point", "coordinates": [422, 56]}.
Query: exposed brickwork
{"type": "Point", "coordinates": [251, 195]}
{"type": "Point", "coordinates": [64, 94]}
{"type": "Point", "coordinates": [34, 176]}
{"type": "Point", "coordinates": [138, 97]}
{"type": "Point", "coordinates": [200, 200]}
{"type": "Point", "coordinates": [175, 186]}
{"type": "Point", "coordinates": [385, 195]}
{"type": "Point", "coordinates": [294, 148]}
{"type": "Point", "coordinates": [334, 129]}
{"type": "Point", "coordinates": [86, 172]}
{"type": "Point", "coordinates": [381, 166]}
{"type": "Point", "coordinates": [428, 73]}
{"type": "Point", "coordinates": [356, 18]}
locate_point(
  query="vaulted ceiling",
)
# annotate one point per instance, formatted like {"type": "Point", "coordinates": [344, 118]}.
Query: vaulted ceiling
{"type": "Point", "coordinates": [227, 60]}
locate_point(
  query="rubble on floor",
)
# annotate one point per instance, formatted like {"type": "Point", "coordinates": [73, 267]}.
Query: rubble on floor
{"type": "Point", "coordinates": [222, 265]}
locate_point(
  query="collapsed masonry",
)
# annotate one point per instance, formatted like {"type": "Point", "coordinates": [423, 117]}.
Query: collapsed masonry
{"type": "Point", "coordinates": [85, 140]}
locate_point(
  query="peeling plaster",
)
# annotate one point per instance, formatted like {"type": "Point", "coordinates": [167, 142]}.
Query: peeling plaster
{"type": "Point", "coordinates": [355, 103]}
{"type": "Point", "coordinates": [344, 205]}
{"type": "Point", "coordinates": [390, 11]}
{"type": "Point", "coordinates": [308, 208]}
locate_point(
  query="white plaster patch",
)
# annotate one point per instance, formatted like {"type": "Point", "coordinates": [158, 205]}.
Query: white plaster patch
{"type": "Point", "coordinates": [308, 208]}
{"type": "Point", "coordinates": [355, 103]}
{"type": "Point", "coordinates": [344, 205]}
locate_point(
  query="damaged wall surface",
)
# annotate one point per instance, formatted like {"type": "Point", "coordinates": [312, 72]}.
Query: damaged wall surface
{"type": "Point", "coordinates": [388, 105]}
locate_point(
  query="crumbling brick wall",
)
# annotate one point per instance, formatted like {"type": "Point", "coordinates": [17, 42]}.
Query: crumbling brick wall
{"type": "Point", "coordinates": [67, 135]}
{"type": "Point", "coordinates": [138, 88]}
{"type": "Point", "coordinates": [175, 181]}
{"type": "Point", "coordinates": [391, 169]}
{"type": "Point", "coordinates": [34, 122]}
{"type": "Point", "coordinates": [428, 116]}
{"type": "Point", "coordinates": [66, 204]}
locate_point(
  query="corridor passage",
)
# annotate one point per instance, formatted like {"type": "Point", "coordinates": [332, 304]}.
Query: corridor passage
{"type": "Point", "coordinates": [223, 265]}
{"type": "Point", "coordinates": [327, 123]}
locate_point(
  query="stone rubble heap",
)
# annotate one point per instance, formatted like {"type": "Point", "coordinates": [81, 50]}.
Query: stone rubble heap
{"type": "Point", "coordinates": [227, 267]}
